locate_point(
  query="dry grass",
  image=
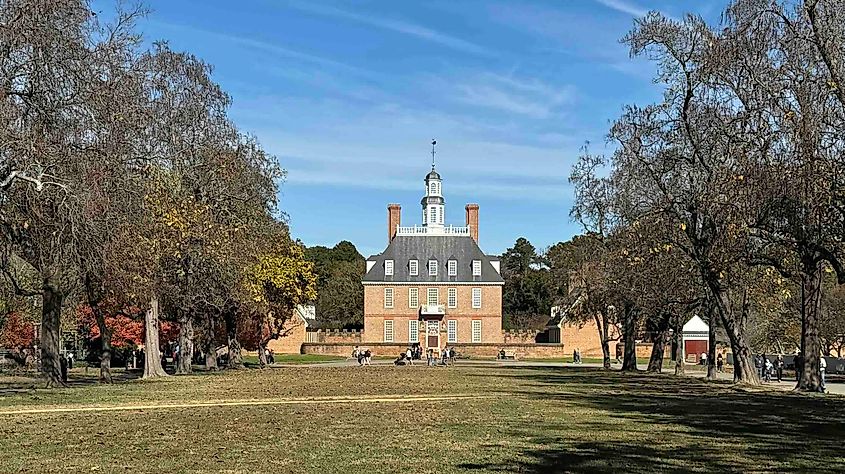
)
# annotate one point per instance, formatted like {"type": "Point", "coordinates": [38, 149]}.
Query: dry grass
{"type": "Point", "coordinates": [535, 420]}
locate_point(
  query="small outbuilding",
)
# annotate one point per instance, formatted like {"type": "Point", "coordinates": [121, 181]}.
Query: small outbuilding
{"type": "Point", "coordinates": [696, 338]}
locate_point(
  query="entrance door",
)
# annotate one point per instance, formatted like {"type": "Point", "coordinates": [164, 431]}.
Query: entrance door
{"type": "Point", "coordinates": [433, 335]}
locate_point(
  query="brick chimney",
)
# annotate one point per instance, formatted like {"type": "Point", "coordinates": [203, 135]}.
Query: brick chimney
{"type": "Point", "coordinates": [472, 221]}
{"type": "Point", "coordinates": [394, 218]}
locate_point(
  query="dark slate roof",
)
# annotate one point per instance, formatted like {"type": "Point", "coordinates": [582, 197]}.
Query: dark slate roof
{"type": "Point", "coordinates": [438, 247]}
{"type": "Point", "coordinates": [432, 175]}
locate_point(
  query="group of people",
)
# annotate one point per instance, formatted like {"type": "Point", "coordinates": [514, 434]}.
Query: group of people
{"type": "Point", "coordinates": [364, 357]}
{"type": "Point", "coordinates": [766, 369]}
{"type": "Point", "coordinates": [446, 357]}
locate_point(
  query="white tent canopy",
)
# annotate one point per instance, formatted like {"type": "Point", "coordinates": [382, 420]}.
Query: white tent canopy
{"type": "Point", "coordinates": [696, 329]}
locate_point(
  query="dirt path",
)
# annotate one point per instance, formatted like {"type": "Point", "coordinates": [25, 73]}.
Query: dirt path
{"type": "Point", "coordinates": [267, 402]}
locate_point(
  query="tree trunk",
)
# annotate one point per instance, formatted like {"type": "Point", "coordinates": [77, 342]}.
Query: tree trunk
{"type": "Point", "coordinates": [209, 346]}
{"type": "Point", "coordinates": [262, 353]}
{"type": "Point", "coordinates": [678, 340]}
{"type": "Point", "coordinates": [211, 359]}
{"type": "Point", "coordinates": [106, 350]}
{"type": "Point", "coordinates": [711, 342]}
{"type": "Point", "coordinates": [734, 323]}
{"type": "Point", "coordinates": [629, 363]}
{"type": "Point", "coordinates": [152, 353]}
{"type": "Point", "coordinates": [655, 362]}
{"type": "Point", "coordinates": [811, 292]}
{"type": "Point", "coordinates": [105, 332]}
{"type": "Point", "coordinates": [186, 344]}
{"type": "Point", "coordinates": [51, 311]}
{"type": "Point", "coordinates": [105, 340]}
{"type": "Point", "coordinates": [236, 360]}
{"type": "Point", "coordinates": [604, 337]}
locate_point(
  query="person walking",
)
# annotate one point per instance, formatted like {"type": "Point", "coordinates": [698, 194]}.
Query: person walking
{"type": "Point", "coordinates": [445, 355]}
{"type": "Point", "coordinates": [452, 355]}
{"type": "Point", "coordinates": [720, 363]}
{"type": "Point", "coordinates": [767, 370]}
{"type": "Point", "coordinates": [779, 368]}
{"type": "Point", "coordinates": [367, 356]}
{"type": "Point", "coordinates": [409, 354]}
{"type": "Point", "coordinates": [430, 357]}
{"type": "Point", "coordinates": [822, 369]}
{"type": "Point", "coordinates": [798, 361]}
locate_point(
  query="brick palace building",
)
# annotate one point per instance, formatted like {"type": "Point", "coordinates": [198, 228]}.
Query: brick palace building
{"type": "Point", "coordinates": [433, 285]}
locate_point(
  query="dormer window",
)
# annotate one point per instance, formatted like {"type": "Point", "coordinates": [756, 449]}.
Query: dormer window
{"type": "Point", "coordinates": [476, 268]}
{"type": "Point", "coordinates": [453, 268]}
{"type": "Point", "coordinates": [414, 267]}
{"type": "Point", "coordinates": [388, 268]}
{"type": "Point", "coordinates": [432, 268]}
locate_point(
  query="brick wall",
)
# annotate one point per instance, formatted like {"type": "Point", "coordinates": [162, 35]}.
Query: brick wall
{"type": "Point", "coordinates": [354, 336]}
{"type": "Point", "coordinates": [292, 342]}
{"type": "Point", "coordinates": [491, 300]}
{"type": "Point", "coordinates": [520, 336]}
{"type": "Point", "coordinates": [491, 329]}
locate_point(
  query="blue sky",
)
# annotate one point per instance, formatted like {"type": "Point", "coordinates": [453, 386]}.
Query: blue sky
{"type": "Point", "coordinates": [349, 94]}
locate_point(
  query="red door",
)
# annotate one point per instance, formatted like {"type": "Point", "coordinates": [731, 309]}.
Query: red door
{"type": "Point", "coordinates": [693, 350]}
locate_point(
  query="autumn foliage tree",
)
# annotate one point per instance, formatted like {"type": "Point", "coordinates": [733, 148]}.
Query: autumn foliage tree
{"type": "Point", "coordinates": [279, 282]}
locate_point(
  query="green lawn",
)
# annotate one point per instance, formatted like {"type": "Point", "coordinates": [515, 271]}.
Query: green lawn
{"type": "Point", "coordinates": [527, 419]}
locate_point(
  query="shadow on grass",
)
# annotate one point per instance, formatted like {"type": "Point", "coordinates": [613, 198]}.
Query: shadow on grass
{"type": "Point", "coordinates": [708, 426]}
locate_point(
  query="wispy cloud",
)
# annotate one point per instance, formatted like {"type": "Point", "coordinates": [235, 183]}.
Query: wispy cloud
{"type": "Point", "coordinates": [623, 6]}
{"type": "Point", "coordinates": [529, 97]}
{"type": "Point", "coordinates": [398, 26]}
{"type": "Point", "coordinates": [266, 47]}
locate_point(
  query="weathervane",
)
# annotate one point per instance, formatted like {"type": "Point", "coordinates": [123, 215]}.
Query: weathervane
{"type": "Point", "coordinates": [433, 143]}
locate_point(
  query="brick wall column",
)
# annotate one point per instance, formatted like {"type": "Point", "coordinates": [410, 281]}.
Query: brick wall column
{"type": "Point", "coordinates": [394, 219]}
{"type": "Point", "coordinates": [472, 221]}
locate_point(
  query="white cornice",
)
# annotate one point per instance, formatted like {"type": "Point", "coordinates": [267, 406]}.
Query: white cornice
{"type": "Point", "coordinates": [430, 283]}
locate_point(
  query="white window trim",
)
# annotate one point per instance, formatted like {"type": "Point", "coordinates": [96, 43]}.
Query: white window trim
{"type": "Point", "coordinates": [451, 301]}
{"type": "Point", "coordinates": [432, 268]}
{"type": "Point", "coordinates": [476, 268]}
{"type": "Point", "coordinates": [476, 328]}
{"type": "Point", "coordinates": [414, 267]}
{"type": "Point", "coordinates": [388, 298]}
{"type": "Point", "coordinates": [428, 294]}
{"type": "Point", "coordinates": [452, 331]}
{"type": "Point", "coordinates": [413, 294]}
{"type": "Point", "coordinates": [388, 268]}
{"type": "Point", "coordinates": [388, 323]}
{"type": "Point", "coordinates": [453, 268]}
{"type": "Point", "coordinates": [413, 327]}
{"type": "Point", "coordinates": [476, 298]}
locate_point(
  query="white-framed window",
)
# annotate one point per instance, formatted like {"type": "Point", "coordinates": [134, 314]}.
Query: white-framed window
{"type": "Point", "coordinates": [476, 330]}
{"type": "Point", "coordinates": [388, 330]}
{"type": "Point", "coordinates": [452, 298]}
{"type": "Point", "coordinates": [414, 267]}
{"type": "Point", "coordinates": [476, 268]}
{"type": "Point", "coordinates": [388, 297]}
{"type": "Point", "coordinates": [413, 297]}
{"type": "Point", "coordinates": [476, 298]}
{"type": "Point", "coordinates": [432, 268]}
{"type": "Point", "coordinates": [433, 214]}
{"type": "Point", "coordinates": [413, 331]}
{"type": "Point", "coordinates": [388, 268]}
{"type": "Point", "coordinates": [453, 268]}
{"type": "Point", "coordinates": [452, 330]}
{"type": "Point", "coordinates": [433, 297]}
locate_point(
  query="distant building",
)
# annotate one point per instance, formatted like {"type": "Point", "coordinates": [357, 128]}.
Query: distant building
{"type": "Point", "coordinates": [696, 338]}
{"type": "Point", "coordinates": [432, 285]}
